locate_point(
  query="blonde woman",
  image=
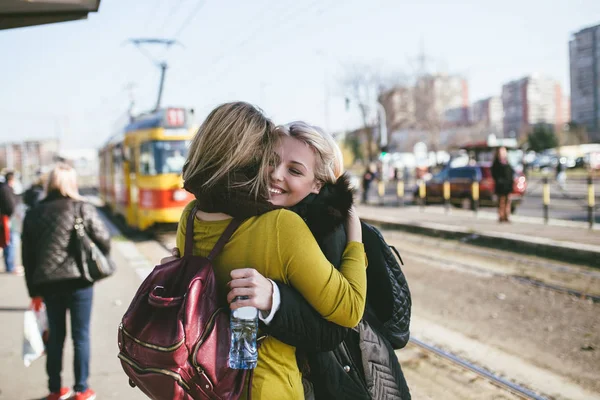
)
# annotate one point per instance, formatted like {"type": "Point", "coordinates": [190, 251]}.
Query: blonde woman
{"type": "Point", "coordinates": [336, 362]}
{"type": "Point", "coordinates": [51, 273]}
{"type": "Point", "coordinates": [228, 171]}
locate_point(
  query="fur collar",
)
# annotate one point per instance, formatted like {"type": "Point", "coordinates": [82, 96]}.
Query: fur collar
{"type": "Point", "coordinates": [325, 211]}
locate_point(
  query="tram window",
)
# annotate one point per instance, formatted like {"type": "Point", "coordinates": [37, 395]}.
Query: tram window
{"type": "Point", "coordinates": [147, 159]}
{"type": "Point", "coordinates": [163, 157]}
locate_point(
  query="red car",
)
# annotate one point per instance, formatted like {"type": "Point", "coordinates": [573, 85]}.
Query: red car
{"type": "Point", "coordinates": [461, 180]}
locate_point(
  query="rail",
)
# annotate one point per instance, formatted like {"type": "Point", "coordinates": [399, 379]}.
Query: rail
{"type": "Point", "coordinates": [497, 380]}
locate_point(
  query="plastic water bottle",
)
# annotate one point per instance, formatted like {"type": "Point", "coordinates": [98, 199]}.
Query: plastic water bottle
{"type": "Point", "coordinates": [243, 353]}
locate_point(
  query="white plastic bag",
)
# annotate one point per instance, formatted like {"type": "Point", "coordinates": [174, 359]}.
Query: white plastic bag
{"type": "Point", "coordinates": [35, 323]}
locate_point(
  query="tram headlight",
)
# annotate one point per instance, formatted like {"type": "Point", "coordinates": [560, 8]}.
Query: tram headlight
{"type": "Point", "coordinates": [179, 195]}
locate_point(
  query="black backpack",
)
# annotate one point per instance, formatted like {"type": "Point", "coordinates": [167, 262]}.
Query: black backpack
{"type": "Point", "coordinates": [386, 286]}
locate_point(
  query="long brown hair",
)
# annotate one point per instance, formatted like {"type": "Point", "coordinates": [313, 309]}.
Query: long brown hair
{"type": "Point", "coordinates": [234, 137]}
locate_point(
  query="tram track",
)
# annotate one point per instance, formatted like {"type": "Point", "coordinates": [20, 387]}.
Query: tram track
{"type": "Point", "coordinates": [496, 380]}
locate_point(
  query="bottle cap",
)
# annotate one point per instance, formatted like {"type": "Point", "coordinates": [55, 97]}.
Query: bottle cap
{"type": "Point", "coordinates": [247, 313]}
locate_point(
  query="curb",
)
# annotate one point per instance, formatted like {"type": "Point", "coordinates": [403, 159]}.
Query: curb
{"type": "Point", "coordinates": [576, 253]}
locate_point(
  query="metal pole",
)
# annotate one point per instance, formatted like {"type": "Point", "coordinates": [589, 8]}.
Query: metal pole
{"type": "Point", "coordinates": [163, 69]}
{"type": "Point", "coordinates": [383, 133]}
{"type": "Point", "coordinates": [546, 195]}
{"type": "Point", "coordinates": [591, 201]}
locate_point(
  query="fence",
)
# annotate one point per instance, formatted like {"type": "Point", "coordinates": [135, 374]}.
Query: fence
{"type": "Point", "coordinates": [577, 196]}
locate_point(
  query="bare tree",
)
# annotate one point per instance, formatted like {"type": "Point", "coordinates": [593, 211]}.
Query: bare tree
{"type": "Point", "coordinates": [363, 86]}
{"type": "Point", "coordinates": [438, 105]}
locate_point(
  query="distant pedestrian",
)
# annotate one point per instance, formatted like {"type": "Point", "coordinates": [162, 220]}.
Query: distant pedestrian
{"type": "Point", "coordinates": [35, 193]}
{"type": "Point", "coordinates": [7, 208]}
{"type": "Point", "coordinates": [502, 173]}
{"type": "Point", "coordinates": [561, 173]}
{"type": "Point", "coordinates": [368, 177]}
{"type": "Point", "coordinates": [52, 273]}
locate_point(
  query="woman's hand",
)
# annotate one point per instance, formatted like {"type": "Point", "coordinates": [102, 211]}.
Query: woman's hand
{"type": "Point", "coordinates": [353, 226]}
{"type": "Point", "coordinates": [174, 256]}
{"type": "Point", "coordinates": [253, 289]}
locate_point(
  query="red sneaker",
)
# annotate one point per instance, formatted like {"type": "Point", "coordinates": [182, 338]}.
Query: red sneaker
{"type": "Point", "coordinates": [89, 394]}
{"type": "Point", "coordinates": [63, 394]}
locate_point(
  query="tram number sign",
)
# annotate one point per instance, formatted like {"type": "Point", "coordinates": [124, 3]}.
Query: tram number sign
{"type": "Point", "coordinates": [175, 117]}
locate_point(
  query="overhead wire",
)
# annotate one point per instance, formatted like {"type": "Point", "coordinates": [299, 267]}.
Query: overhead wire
{"type": "Point", "coordinates": [170, 14]}
{"type": "Point", "coordinates": [189, 19]}
{"type": "Point", "coordinates": [294, 24]}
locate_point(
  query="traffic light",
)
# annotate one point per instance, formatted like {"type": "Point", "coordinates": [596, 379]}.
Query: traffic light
{"type": "Point", "coordinates": [384, 149]}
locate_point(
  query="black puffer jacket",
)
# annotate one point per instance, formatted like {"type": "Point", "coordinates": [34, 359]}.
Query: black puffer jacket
{"type": "Point", "coordinates": [357, 363]}
{"type": "Point", "coordinates": [47, 247]}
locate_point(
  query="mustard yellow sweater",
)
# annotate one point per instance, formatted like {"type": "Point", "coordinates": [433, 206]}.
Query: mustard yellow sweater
{"type": "Point", "coordinates": [280, 246]}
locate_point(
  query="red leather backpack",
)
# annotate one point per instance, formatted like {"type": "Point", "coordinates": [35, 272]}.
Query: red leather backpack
{"type": "Point", "coordinates": [174, 337]}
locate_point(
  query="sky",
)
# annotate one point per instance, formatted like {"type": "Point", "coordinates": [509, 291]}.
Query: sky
{"type": "Point", "coordinates": [73, 81]}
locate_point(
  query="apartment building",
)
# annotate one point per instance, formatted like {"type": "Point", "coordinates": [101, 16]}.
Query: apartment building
{"type": "Point", "coordinates": [489, 114]}
{"type": "Point", "coordinates": [529, 101]}
{"type": "Point", "coordinates": [584, 58]}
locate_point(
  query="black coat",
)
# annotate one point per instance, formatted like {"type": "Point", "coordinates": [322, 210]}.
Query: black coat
{"type": "Point", "coordinates": [503, 178]}
{"type": "Point", "coordinates": [47, 248]}
{"type": "Point", "coordinates": [337, 356]}
{"type": "Point", "coordinates": [33, 195]}
{"type": "Point", "coordinates": [7, 199]}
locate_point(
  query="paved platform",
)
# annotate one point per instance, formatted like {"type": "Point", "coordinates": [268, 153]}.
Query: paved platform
{"type": "Point", "coordinates": [111, 299]}
{"type": "Point", "coordinates": [566, 241]}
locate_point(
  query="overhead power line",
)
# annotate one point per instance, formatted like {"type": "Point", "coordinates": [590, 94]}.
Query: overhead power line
{"type": "Point", "coordinates": [189, 18]}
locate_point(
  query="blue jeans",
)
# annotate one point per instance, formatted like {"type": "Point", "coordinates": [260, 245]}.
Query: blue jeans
{"type": "Point", "coordinates": [79, 302]}
{"type": "Point", "coordinates": [9, 251]}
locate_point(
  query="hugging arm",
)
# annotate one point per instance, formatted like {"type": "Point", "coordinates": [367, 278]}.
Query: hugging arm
{"type": "Point", "coordinates": [298, 324]}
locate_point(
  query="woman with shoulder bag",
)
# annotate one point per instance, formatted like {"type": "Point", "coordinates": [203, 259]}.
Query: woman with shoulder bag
{"type": "Point", "coordinates": [52, 273]}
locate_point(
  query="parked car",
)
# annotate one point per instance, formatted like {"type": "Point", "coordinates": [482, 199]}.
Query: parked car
{"type": "Point", "coordinates": [461, 180]}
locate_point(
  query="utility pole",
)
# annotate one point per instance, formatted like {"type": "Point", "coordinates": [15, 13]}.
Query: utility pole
{"type": "Point", "coordinates": [161, 64]}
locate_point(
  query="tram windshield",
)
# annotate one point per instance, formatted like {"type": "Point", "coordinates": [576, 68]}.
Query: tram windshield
{"type": "Point", "coordinates": [163, 156]}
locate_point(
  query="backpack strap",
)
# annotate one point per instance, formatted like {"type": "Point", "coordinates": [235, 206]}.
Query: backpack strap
{"type": "Point", "coordinates": [189, 232]}
{"type": "Point", "coordinates": [233, 225]}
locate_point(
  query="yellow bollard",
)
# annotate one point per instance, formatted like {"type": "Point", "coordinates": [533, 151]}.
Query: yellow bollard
{"type": "Point", "coordinates": [546, 198]}
{"type": "Point", "coordinates": [381, 191]}
{"type": "Point", "coordinates": [475, 191]}
{"type": "Point", "coordinates": [400, 192]}
{"type": "Point", "coordinates": [475, 195]}
{"type": "Point", "coordinates": [422, 193]}
{"type": "Point", "coordinates": [591, 201]}
{"type": "Point", "coordinates": [447, 195]}
{"type": "Point", "coordinates": [591, 193]}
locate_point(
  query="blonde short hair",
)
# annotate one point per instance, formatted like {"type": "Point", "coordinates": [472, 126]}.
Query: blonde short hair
{"type": "Point", "coordinates": [234, 136]}
{"type": "Point", "coordinates": [329, 162]}
{"type": "Point", "coordinates": [63, 179]}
